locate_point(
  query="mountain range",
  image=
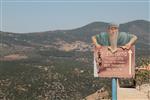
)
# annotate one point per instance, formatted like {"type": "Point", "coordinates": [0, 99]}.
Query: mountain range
{"type": "Point", "coordinates": [75, 39]}
{"type": "Point", "coordinates": [58, 65]}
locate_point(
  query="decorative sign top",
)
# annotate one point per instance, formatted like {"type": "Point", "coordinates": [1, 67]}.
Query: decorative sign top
{"type": "Point", "coordinates": [118, 64]}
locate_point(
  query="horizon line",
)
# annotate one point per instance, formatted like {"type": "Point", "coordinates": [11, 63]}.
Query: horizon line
{"type": "Point", "coordinates": [73, 28]}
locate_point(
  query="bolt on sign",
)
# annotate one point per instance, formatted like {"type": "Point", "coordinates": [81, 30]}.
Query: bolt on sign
{"type": "Point", "coordinates": [118, 64]}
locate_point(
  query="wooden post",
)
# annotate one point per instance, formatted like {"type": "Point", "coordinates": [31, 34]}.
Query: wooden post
{"type": "Point", "coordinates": [114, 88]}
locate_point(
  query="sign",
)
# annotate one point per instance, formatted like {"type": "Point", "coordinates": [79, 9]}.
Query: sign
{"type": "Point", "coordinates": [118, 64]}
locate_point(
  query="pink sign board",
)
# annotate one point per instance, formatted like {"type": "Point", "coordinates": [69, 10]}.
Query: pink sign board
{"type": "Point", "coordinates": [118, 64]}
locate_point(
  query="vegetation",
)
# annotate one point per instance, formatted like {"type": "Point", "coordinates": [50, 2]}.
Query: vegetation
{"type": "Point", "coordinates": [52, 79]}
{"type": "Point", "coordinates": [51, 74]}
{"type": "Point", "coordinates": [142, 77]}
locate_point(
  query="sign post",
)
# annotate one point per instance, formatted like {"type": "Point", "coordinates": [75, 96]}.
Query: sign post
{"type": "Point", "coordinates": [114, 65]}
{"type": "Point", "coordinates": [114, 88]}
{"type": "Point", "coordinates": [119, 64]}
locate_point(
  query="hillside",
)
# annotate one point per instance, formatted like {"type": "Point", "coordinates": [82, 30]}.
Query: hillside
{"type": "Point", "coordinates": [60, 39]}
{"type": "Point", "coordinates": [58, 65]}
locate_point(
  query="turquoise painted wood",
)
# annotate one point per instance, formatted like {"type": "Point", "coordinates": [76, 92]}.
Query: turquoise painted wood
{"type": "Point", "coordinates": [114, 89]}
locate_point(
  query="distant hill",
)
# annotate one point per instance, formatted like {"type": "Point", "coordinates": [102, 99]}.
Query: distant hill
{"type": "Point", "coordinates": [59, 64]}
{"type": "Point", "coordinates": [82, 34]}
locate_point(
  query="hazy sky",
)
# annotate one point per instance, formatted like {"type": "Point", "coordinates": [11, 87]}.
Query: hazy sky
{"type": "Point", "coordinates": [43, 15]}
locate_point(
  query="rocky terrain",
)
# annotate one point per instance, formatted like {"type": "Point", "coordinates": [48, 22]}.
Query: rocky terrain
{"type": "Point", "coordinates": [58, 65]}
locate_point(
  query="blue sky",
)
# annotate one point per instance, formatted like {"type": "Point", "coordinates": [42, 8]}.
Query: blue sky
{"type": "Point", "coordinates": [34, 16]}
